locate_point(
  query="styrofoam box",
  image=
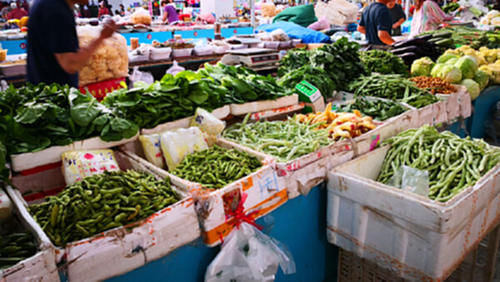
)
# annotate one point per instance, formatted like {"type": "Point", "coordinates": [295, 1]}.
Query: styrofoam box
{"type": "Point", "coordinates": [419, 238]}
{"type": "Point", "coordinates": [52, 154]}
{"type": "Point", "coordinates": [158, 54]}
{"type": "Point", "coordinates": [186, 52]}
{"type": "Point", "coordinates": [41, 266]}
{"type": "Point", "coordinates": [262, 188]}
{"type": "Point", "coordinates": [121, 249]}
{"type": "Point", "coordinates": [452, 107]}
{"type": "Point", "coordinates": [465, 103]}
{"type": "Point", "coordinates": [219, 113]}
{"type": "Point", "coordinates": [271, 44]}
{"type": "Point", "coordinates": [259, 106]}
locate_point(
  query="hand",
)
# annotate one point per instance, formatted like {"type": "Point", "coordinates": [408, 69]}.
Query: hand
{"type": "Point", "coordinates": [108, 29]}
{"type": "Point", "coordinates": [394, 26]}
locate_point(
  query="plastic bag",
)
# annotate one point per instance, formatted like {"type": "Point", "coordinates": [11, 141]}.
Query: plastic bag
{"type": "Point", "coordinates": [207, 122]}
{"type": "Point", "coordinates": [279, 35]}
{"type": "Point", "coordinates": [411, 180]}
{"type": "Point", "coordinates": [80, 164]}
{"type": "Point", "coordinates": [320, 24]}
{"type": "Point", "coordinates": [337, 12]}
{"type": "Point", "coordinates": [249, 255]}
{"type": "Point", "coordinates": [139, 76]}
{"type": "Point", "coordinates": [175, 145]}
{"type": "Point", "coordinates": [175, 68]}
{"type": "Point", "coordinates": [109, 61]}
{"type": "Point", "coordinates": [141, 16]}
{"type": "Point", "coordinates": [152, 149]}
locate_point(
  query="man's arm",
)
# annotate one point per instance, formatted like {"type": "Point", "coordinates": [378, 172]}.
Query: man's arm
{"type": "Point", "coordinates": [385, 37]}
{"type": "Point", "coordinates": [362, 29]}
{"type": "Point", "coordinates": [398, 23]}
{"type": "Point", "coordinates": [73, 62]}
{"type": "Point", "coordinates": [165, 15]}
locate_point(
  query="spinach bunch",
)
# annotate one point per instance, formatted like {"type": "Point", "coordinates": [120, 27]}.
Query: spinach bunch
{"type": "Point", "coordinates": [171, 98]}
{"type": "Point", "coordinates": [242, 84]}
{"type": "Point", "coordinates": [339, 60]}
{"type": "Point", "coordinates": [35, 117]}
{"type": "Point", "coordinates": [316, 76]}
{"type": "Point", "coordinates": [383, 62]}
{"type": "Point", "coordinates": [378, 109]}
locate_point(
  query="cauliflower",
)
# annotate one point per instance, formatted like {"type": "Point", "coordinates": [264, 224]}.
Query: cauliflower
{"type": "Point", "coordinates": [490, 55]}
{"type": "Point", "coordinates": [109, 61]}
{"type": "Point", "coordinates": [493, 70]}
{"type": "Point", "coordinates": [495, 21]}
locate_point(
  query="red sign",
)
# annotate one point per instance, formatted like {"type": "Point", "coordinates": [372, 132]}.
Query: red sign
{"type": "Point", "coordinates": [22, 45]}
{"type": "Point", "coordinates": [235, 30]}
{"type": "Point", "coordinates": [196, 34]}
{"type": "Point", "coordinates": [149, 36]}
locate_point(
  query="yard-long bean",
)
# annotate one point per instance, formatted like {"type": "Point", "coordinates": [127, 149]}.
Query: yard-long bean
{"type": "Point", "coordinates": [453, 164]}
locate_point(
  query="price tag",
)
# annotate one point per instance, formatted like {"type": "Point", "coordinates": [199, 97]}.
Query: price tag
{"type": "Point", "coordinates": [307, 92]}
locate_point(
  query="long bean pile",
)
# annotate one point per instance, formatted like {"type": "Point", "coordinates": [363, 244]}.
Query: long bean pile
{"type": "Point", "coordinates": [216, 167]}
{"type": "Point", "coordinates": [453, 163]}
{"type": "Point", "coordinates": [102, 202]}
{"type": "Point", "coordinates": [285, 140]}
{"type": "Point", "coordinates": [393, 87]}
{"type": "Point", "coordinates": [16, 247]}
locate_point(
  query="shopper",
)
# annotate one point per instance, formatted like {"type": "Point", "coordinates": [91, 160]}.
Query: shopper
{"type": "Point", "coordinates": [427, 16]}
{"type": "Point", "coordinates": [376, 23]}
{"type": "Point", "coordinates": [103, 10]}
{"type": "Point", "coordinates": [121, 12]}
{"type": "Point", "coordinates": [170, 15]}
{"type": "Point", "coordinates": [16, 12]}
{"type": "Point", "coordinates": [397, 15]}
{"type": "Point", "coordinates": [53, 51]}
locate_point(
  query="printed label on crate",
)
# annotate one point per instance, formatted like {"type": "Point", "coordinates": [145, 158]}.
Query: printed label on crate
{"type": "Point", "coordinates": [80, 164]}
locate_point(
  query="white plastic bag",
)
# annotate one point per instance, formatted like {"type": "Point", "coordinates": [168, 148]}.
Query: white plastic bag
{"type": "Point", "coordinates": [141, 16]}
{"type": "Point", "coordinates": [175, 68]}
{"type": "Point", "coordinates": [207, 122]}
{"type": "Point", "coordinates": [152, 149]}
{"type": "Point", "coordinates": [139, 76]}
{"type": "Point", "coordinates": [175, 145]}
{"type": "Point", "coordinates": [247, 254]}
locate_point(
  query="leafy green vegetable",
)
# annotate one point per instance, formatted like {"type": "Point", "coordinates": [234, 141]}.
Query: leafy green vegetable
{"type": "Point", "coordinates": [316, 76]}
{"type": "Point", "coordinates": [383, 62]}
{"type": "Point", "coordinates": [378, 109]}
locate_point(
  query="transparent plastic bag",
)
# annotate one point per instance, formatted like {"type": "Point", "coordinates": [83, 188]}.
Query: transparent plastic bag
{"type": "Point", "coordinates": [175, 68]}
{"type": "Point", "coordinates": [139, 76]}
{"type": "Point", "coordinates": [411, 180]}
{"type": "Point", "coordinates": [175, 145]}
{"type": "Point", "coordinates": [141, 16]}
{"type": "Point", "coordinates": [207, 122]}
{"type": "Point", "coordinates": [152, 149]}
{"type": "Point", "coordinates": [247, 254]}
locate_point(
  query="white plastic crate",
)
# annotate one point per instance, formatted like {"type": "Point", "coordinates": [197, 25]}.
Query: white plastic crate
{"type": "Point", "coordinates": [415, 237]}
{"type": "Point", "coordinates": [118, 250]}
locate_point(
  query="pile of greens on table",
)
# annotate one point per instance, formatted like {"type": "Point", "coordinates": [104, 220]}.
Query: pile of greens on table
{"type": "Point", "coordinates": [241, 84]}
{"type": "Point", "coordinates": [393, 87]}
{"type": "Point", "coordinates": [452, 163]}
{"type": "Point", "coordinates": [383, 62]}
{"type": "Point", "coordinates": [378, 109]}
{"type": "Point", "coordinates": [339, 62]}
{"type": "Point", "coordinates": [33, 118]}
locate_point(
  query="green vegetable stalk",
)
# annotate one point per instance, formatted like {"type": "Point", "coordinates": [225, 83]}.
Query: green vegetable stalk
{"type": "Point", "coordinates": [453, 163]}
{"type": "Point", "coordinates": [216, 167]}
{"type": "Point", "coordinates": [102, 202]}
{"type": "Point", "coordinates": [285, 140]}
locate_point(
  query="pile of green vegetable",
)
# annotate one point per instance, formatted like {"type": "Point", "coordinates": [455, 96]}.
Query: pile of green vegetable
{"type": "Point", "coordinates": [378, 109]}
{"type": "Point", "coordinates": [15, 247]}
{"type": "Point", "coordinates": [171, 98]}
{"type": "Point", "coordinates": [241, 85]}
{"type": "Point", "coordinates": [36, 117]}
{"type": "Point", "coordinates": [102, 202]}
{"type": "Point", "coordinates": [285, 140]}
{"type": "Point", "coordinates": [393, 87]}
{"type": "Point", "coordinates": [461, 35]}
{"type": "Point", "coordinates": [453, 163]}
{"type": "Point", "coordinates": [340, 61]}
{"type": "Point", "coordinates": [314, 75]}
{"type": "Point", "coordinates": [451, 7]}
{"type": "Point", "coordinates": [216, 167]}
{"type": "Point", "coordinates": [383, 62]}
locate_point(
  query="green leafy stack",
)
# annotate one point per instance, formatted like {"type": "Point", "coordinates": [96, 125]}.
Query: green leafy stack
{"type": "Point", "coordinates": [383, 62]}
{"type": "Point", "coordinates": [340, 61]}
{"type": "Point", "coordinates": [102, 202]}
{"type": "Point", "coordinates": [378, 109]}
{"type": "Point", "coordinates": [36, 117]}
{"type": "Point", "coordinates": [242, 85]}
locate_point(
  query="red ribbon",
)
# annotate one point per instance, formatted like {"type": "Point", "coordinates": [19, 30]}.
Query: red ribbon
{"type": "Point", "coordinates": [240, 216]}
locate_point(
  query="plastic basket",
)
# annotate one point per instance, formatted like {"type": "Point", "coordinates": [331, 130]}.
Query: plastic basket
{"type": "Point", "coordinates": [100, 89]}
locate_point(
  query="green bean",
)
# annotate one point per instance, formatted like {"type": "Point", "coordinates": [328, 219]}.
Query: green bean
{"type": "Point", "coordinates": [453, 163]}
{"type": "Point", "coordinates": [228, 165]}
{"type": "Point", "coordinates": [101, 202]}
{"type": "Point", "coordinates": [15, 247]}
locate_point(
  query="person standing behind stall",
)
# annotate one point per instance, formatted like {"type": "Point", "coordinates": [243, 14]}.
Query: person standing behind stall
{"type": "Point", "coordinates": [16, 12]}
{"type": "Point", "coordinates": [54, 54]}
{"type": "Point", "coordinates": [169, 12]}
{"type": "Point", "coordinates": [398, 17]}
{"type": "Point", "coordinates": [376, 23]}
{"type": "Point", "coordinates": [103, 10]}
{"type": "Point", "coordinates": [428, 16]}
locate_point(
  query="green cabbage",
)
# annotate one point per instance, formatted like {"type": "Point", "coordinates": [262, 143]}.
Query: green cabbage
{"type": "Point", "coordinates": [472, 88]}
{"type": "Point", "coordinates": [450, 73]}
{"type": "Point", "coordinates": [467, 65]}
{"type": "Point", "coordinates": [482, 78]}
{"type": "Point", "coordinates": [422, 67]}
{"type": "Point", "coordinates": [436, 69]}
{"type": "Point", "coordinates": [446, 57]}
{"type": "Point", "coordinates": [451, 61]}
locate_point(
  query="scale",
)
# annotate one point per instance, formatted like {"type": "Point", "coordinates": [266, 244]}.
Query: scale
{"type": "Point", "coordinates": [253, 57]}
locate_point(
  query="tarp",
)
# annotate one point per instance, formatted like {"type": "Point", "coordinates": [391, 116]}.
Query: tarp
{"type": "Point", "coordinates": [302, 15]}
{"type": "Point", "coordinates": [296, 31]}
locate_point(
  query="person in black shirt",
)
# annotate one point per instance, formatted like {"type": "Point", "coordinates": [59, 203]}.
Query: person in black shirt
{"type": "Point", "coordinates": [53, 51]}
{"type": "Point", "coordinates": [397, 15]}
{"type": "Point", "coordinates": [376, 23]}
